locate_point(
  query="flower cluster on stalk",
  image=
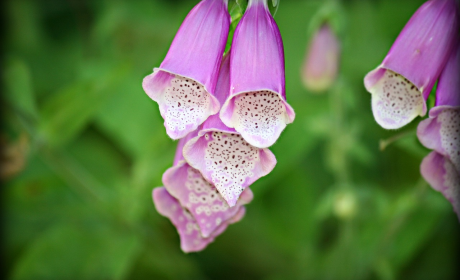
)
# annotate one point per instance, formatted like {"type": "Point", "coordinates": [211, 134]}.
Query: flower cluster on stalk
{"type": "Point", "coordinates": [427, 50]}
{"type": "Point", "coordinates": [226, 111]}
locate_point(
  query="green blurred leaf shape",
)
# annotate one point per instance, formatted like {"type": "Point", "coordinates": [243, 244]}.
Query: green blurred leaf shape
{"type": "Point", "coordinates": [67, 112]}
{"type": "Point", "coordinates": [18, 87]}
{"type": "Point", "coordinates": [70, 252]}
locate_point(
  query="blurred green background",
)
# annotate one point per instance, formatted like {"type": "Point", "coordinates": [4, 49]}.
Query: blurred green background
{"type": "Point", "coordinates": [83, 146]}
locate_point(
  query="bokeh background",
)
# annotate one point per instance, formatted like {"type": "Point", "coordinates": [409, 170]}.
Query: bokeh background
{"type": "Point", "coordinates": [83, 146]}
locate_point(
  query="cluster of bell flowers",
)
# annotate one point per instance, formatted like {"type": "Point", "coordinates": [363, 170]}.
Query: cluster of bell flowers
{"type": "Point", "coordinates": [427, 50]}
{"type": "Point", "coordinates": [225, 109]}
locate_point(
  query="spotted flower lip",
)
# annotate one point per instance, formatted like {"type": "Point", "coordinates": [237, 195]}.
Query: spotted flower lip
{"type": "Point", "coordinates": [184, 84]}
{"type": "Point", "coordinates": [320, 67]}
{"type": "Point", "coordinates": [190, 237]}
{"type": "Point", "coordinates": [441, 131]}
{"type": "Point", "coordinates": [201, 198]}
{"type": "Point", "coordinates": [257, 106]}
{"type": "Point", "coordinates": [440, 173]}
{"type": "Point", "coordinates": [402, 83]}
{"type": "Point", "coordinates": [198, 196]}
{"type": "Point", "coordinates": [222, 156]}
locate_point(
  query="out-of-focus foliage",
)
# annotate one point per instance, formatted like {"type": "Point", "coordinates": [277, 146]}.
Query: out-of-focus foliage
{"type": "Point", "coordinates": [83, 146]}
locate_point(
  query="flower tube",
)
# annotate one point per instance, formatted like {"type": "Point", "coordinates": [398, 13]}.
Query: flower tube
{"type": "Point", "coordinates": [189, 231]}
{"type": "Point", "coordinates": [183, 85]}
{"type": "Point", "coordinates": [222, 155]}
{"type": "Point", "coordinates": [320, 67]}
{"type": "Point", "coordinates": [198, 196]}
{"type": "Point", "coordinates": [257, 106]}
{"type": "Point", "coordinates": [402, 83]}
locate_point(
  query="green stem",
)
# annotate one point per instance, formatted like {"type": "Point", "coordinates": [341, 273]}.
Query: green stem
{"type": "Point", "coordinates": [384, 143]}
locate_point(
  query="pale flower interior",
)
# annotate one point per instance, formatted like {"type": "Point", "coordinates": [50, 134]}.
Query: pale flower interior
{"type": "Point", "coordinates": [207, 205]}
{"type": "Point", "coordinates": [230, 160]}
{"type": "Point", "coordinates": [188, 228]}
{"type": "Point", "coordinates": [259, 115]}
{"type": "Point", "coordinates": [187, 104]}
{"type": "Point", "coordinates": [450, 131]}
{"type": "Point", "coordinates": [396, 101]}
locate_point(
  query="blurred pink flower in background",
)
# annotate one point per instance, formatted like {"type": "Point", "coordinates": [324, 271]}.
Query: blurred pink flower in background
{"type": "Point", "coordinates": [321, 63]}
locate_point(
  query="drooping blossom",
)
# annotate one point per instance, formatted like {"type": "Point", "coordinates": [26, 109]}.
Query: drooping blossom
{"type": "Point", "coordinates": [402, 83]}
{"type": "Point", "coordinates": [320, 66]}
{"type": "Point", "coordinates": [257, 106]}
{"type": "Point", "coordinates": [441, 133]}
{"type": "Point", "coordinates": [191, 239]}
{"type": "Point", "coordinates": [222, 155]}
{"type": "Point", "coordinates": [441, 174]}
{"type": "Point", "coordinates": [184, 84]}
{"type": "Point", "coordinates": [197, 195]}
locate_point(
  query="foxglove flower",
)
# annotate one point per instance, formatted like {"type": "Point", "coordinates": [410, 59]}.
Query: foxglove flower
{"type": "Point", "coordinates": [441, 132]}
{"type": "Point", "coordinates": [319, 70]}
{"type": "Point", "coordinates": [189, 231]}
{"type": "Point", "coordinates": [198, 196]}
{"type": "Point", "coordinates": [222, 155]}
{"type": "Point", "coordinates": [402, 83]}
{"type": "Point", "coordinates": [440, 173]}
{"type": "Point", "coordinates": [257, 106]}
{"type": "Point", "coordinates": [184, 84]}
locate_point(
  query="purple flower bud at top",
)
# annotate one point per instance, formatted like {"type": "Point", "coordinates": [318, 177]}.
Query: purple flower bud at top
{"type": "Point", "coordinates": [319, 70]}
{"type": "Point", "coordinates": [198, 196]}
{"type": "Point", "coordinates": [402, 83]}
{"type": "Point", "coordinates": [222, 155]}
{"type": "Point", "coordinates": [257, 106]}
{"type": "Point", "coordinates": [189, 231]}
{"type": "Point", "coordinates": [184, 84]}
{"type": "Point", "coordinates": [441, 132]}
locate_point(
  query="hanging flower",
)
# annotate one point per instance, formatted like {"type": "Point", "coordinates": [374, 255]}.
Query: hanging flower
{"type": "Point", "coordinates": [440, 173]}
{"type": "Point", "coordinates": [257, 106]}
{"type": "Point", "coordinates": [197, 195]}
{"type": "Point", "coordinates": [441, 133]}
{"type": "Point", "coordinates": [184, 84]}
{"type": "Point", "coordinates": [191, 239]}
{"type": "Point", "coordinates": [223, 156]}
{"type": "Point", "coordinates": [320, 67]}
{"type": "Point", "coordinates": [402, 83]}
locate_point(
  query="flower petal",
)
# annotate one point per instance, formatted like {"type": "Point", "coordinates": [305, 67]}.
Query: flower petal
{"type": "Point", "coordinates": [395, 100]}
{"type": "Point", "coordinates": [439, 172]}
{"type": "Point", "coordinates": [418, 56]}
{"type": "Point", "coordinates": [228, 161]}
{"type": "Point", "coordinates": [201, 198]}
{"type": "Point", "coordinates": [257, 68]}
{"type": "Point", "coordinates": [184, 84]}
{"type": "Point", "coordinates": [447, 90]}
{"type": "Point", "coordinates": [190, 236]}
{"type": "Point", "coordinates": [184, 104]}
{"type": "Point", "coordinates": [441, 132]}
